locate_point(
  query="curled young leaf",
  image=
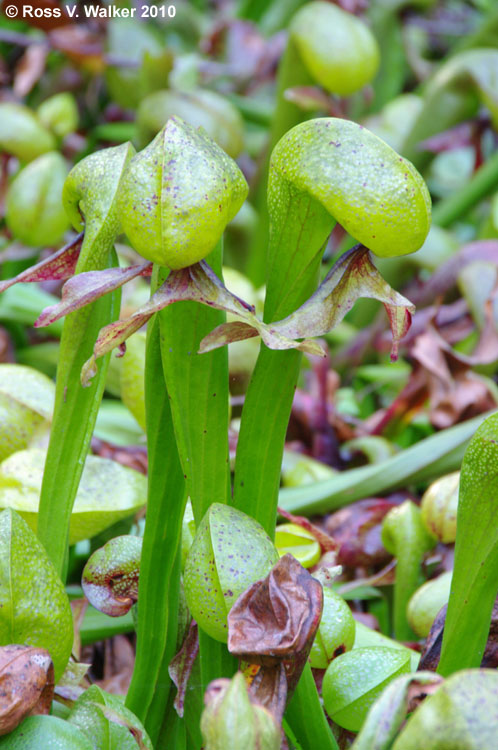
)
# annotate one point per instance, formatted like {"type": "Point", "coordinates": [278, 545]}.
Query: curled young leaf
{"type": "Point", "coordinates": [273, 624]}
{"type": "Point", "coordinates": [354, 680]}
{"type": "Point", "coordinates": [366, 637]}
{"type": "Point", "coordinates": [59, 113]}
{"type": "Point", "coordinates": [26, 684]}
{"type": "Point", "coordinates": [110, 577]}
{"type": "Point", "coordinates": [405, 536]}
{"type": "Point", "coordinates": [90, 191]}
{"type": "Point", "coordinates": [336, 633]}
{"type": "Point", "coordinates": [26, 405]}
{"type": "Point", "coordinates": [178, 195]}
{"type": "Point", "coordinates": [426, 602]}
{"type": "Point", "coordinates": [439, 507]}
{"type": "Point", "coordinates": [298, 542]}
{"type": "Point", "coordinates": [327, 543]}
{"type": "Point", "coordinates": [48, 732]}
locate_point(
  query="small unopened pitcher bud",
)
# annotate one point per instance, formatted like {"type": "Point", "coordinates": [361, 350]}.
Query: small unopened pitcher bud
{"type": "Point", "coordinates": [234, 720]}
{"type": "Point", "coordinates": [230, 551]}
{"type": "Point", "coordinates": [439, 507]}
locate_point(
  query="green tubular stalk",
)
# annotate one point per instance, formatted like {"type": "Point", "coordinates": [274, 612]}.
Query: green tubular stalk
{"type": "Point", "coordinates": [475, 573]}
{"type": "Point", "coordinates": [393, 70]}
{"type": "Point", "coordinates": [159, 567]}
{"type": "Point", "coordinates": [405, 536]}
{"type": "Point", "coordinates": [321, 171]}
{"type": "Point", "coordinates": [295, 252]}
{"type": "Point", "coordinates": [291, 72]}
{"type": "Point", "coordinates": [74, 419]}
{"type": "Point", "coordinates": [198, 391]}
{"type": "Point", "coordinates": [177, 197]}
{"type": "Point", "coordinates": [94, 182]}
{"type": "Point", "coordinates": [173, 731]}
{"type": "Point", "coordinates": [481, 185]}
{"type": "Point", "coordinates": [277, 15]}
{"type": "Point", "coordinates": [295, 245]}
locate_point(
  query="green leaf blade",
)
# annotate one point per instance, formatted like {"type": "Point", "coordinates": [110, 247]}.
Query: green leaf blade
{"type": "Point", "coordinates": [34, 607]}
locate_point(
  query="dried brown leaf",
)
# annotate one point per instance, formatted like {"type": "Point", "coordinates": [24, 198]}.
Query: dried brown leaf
{"type": "Point", "coordinates": [80, 45]}
{"type": "Point", "coordinates": [26, 684]}
{"type": "Point", "coordinates": [455, 392]}
{"type": "Point", "coordinates": [30, 68]}
{"type": "Point", "coordinates": [181, 665]}
{"type": "Point", "coordinates": [119, 660]}
{"type": "Point", "coordinates": [78, 609]}
{"type": "Point", "coordinates": [275, 618]}
{"type": "Point", "coordinates": [356, 529]}
{"type": "Point", "coordinates": [273, 624]}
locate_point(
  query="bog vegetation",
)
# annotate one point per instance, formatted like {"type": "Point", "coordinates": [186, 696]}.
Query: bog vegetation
{"type": "Point", "coordinates": [243, 504]}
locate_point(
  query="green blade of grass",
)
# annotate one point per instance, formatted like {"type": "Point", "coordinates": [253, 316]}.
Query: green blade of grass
{"type": "Point", "coordinates": [430, 458]}
{"type": "Point", "coordinates": [98, 626]}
